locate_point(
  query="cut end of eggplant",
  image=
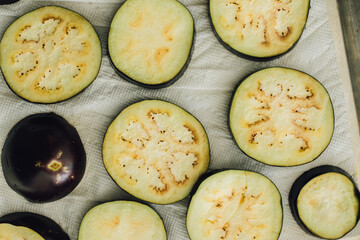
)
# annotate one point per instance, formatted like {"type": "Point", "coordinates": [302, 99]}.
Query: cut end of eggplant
{"type": "Point", "coordinates": [30, 226]}
{"type": "Point", "coordinates": [150, 41]}
{"type": "Point", "coordinates": [281, 117]}
{"type": "Point", "coordinates": [235, 204]}
{"type": "Point", "coordinates": [122, 219]}
{"type": "Point", "coordinates": [260, 29]}
{"type": "Point", "coordinates": [43, 158]}
{"type": "Point", "coordinates": [325, 202]}
{"type": "Point", "coordinates": [156, 151]}
{"type": "Point", "coordinates": [49, 55]}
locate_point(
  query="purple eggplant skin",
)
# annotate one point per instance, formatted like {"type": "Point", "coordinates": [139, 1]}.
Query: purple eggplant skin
{"type": "Point", "coordinates": [43, 158]}
{"type": "Point", "coordinates": [44, 226]}
{"type": "Point", "coordinates": [3, 2]}
{"type": "Point", "coordinates": [303, 179]}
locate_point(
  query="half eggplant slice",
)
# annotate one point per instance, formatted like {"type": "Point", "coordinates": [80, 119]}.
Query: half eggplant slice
{"type": "Point", "coordinates": [281, 117]}
{"type": "Point", "coordinates": [156, 151]}
{"type": "Point", "coordinates": [30, 226]}
{"type": "Point", "coordinates": [258, 29]}
{"type": "Point", "coordinates": [325, 202]}
{"type": "Point", "coordinates": [235, 204]}
{"type": "Point", "coordinates": [122, 220]}
{"type": "Point", "coordinates": [150, 41]}
{"type": "Point", "coordinates": [49, 55]}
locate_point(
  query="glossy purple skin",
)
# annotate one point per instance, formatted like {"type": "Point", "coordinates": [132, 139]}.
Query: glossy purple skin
{"type": "Point", "coordinates": [43, 158]}
{"type": "Point", "coordinates": [44, 226]}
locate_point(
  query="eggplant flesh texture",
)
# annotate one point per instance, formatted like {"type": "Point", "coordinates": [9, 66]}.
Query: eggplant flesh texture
{"type": "Point", "coordinates": [43, 226]}
{"type": "Point", "coordinates": [235, 204]}
{"type": "Point", "coordinates": [150, 41]}
{"type": "Point", "coordinates": [325, 202]}
{"type": "Point", "coordinates": [259, 29]}
{"type": "Point", "coordinates": [8, 231]}
{"type": "Point", "coordinates": [43, 158]}
{"type": "Point", "coordinates": [281, 117]}
{"type": "Point", "coordinates": [156, 151]}
{"type": "Point", "coordinates": [49, 55]}
{"type": "Point", "coordinates": [122, 220]}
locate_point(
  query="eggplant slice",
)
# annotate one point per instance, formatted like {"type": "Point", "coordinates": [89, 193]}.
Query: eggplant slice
{"type": "Point", "coordinates": [325, 202]}
{"type": "Point", "coordinates": [30, 226]}
{"type": "Point", "coordinates": [235, 204]}
{"type": "Point", "coordinates": [156, 151]}
{"type": "Point", "coordinates": [122, 220]}
{"type": "Point", "coordinates": [49, 55]}
{"type": "Point", "coordinates": [258, 29]}
{"type": "Point", "coordinates": [281, 117]}
{"type": "Point", "coordinates": [150, 41]}
{"type": "Point", "coordinates": [8, 231]}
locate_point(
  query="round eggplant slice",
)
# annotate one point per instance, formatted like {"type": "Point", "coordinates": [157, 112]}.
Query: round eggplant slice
{"type": "Point", "coordinates": [235, 204]}
{"type": "Point", "coordinates": [32, 225]}
{"type": "Point", "coordinates": [49, 55]}
{"type": "Point", "coordinates": [150, 41]}
{"type": "Point", "coordinates": [122, 220]}
{"type": "Point", "coordinates": [325, 202]}
{"type": "Point", "coordinates": [43, 158]}
{"type": "Point", "coordinates": [258, 29]}
{"type": "Point", "coordinates": [156, 151]}
{"type": "Point", "coordinates": [281, 117]}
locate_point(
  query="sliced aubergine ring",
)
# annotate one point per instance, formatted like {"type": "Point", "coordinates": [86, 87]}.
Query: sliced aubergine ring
{"type": "Point", "coordinates": [122, 220]}
{"type": "Point", "coordinates": [156, 151]}
{"type": "Point", "coordinates": [325, 202]}
{"type": "Point", "coordinates": [30, 226]}
{"type": "Point", "coordinates": [281, 117]}
{"type": "Point", "coordinates": [258, 29]}
{"type": "Point", "coordinates": [150, 41]}
{"type": "Point", "coordinates": [49, 55]}
{"type": "Point", "coordinates": [235, 204]}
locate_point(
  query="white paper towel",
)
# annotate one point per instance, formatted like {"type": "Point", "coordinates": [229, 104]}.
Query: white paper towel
{"type": "Point", "coordinates": [204, 90]}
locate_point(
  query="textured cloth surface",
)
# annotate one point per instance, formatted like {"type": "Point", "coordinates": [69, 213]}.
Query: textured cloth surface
{"type": "Point", "coordinates": [204, 90]}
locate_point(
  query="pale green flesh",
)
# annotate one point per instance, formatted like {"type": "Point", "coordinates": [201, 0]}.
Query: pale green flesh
{"type": "Point", "coordinates": [156, 151]}
{"type": "Point", "coordinates": [11, 232]}
{"type": "Point", "coordinates": [50, 54]}
{"type": "Point", "coordinates": [281, 117]}
{"type": "Point", "coordinates": [122, 220]}
{"type": "Point", "coordinates": [259, 28]}
{"type": "Point", "coordinates": [235, 204]}
{"type": "Point", "coordinates": [328, 206]}
{"type": "Point", "coordinates": [145, 53]}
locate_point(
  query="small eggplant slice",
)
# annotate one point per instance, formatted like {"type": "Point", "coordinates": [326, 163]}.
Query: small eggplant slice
{"type": "Point", "coordinates": [122, 220]}
{"type": "Point", "coordinates": [281, 117]}
{"type": "Point", "coordinates": [150, 41]}
{"type": "Point", "coordinates": [49, 55]}
{"type": "Point", "coordinates": [235, 204]}
{"type": "Point", "coordinates": [325, 202]}
{"type": "Point", "coordinates": [43, 158]}
{"type": "Point", "coordinates": [30, 226]}
{"type": "Point", "coordinates": [156, 151]}
{"type": "Point", "coordinates": [258, 29]}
